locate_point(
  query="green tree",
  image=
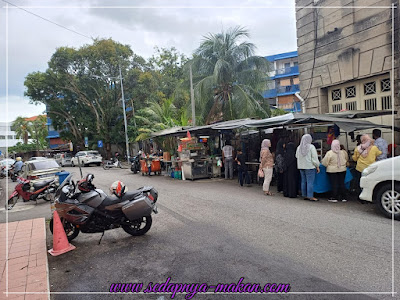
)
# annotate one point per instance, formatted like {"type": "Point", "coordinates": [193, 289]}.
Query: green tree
{"type": "Point", "coordinates": [39, 132]}
{"type": "Point", "coordinates": [22, 129]}
{"type": "Point", "coordinates": [82, 91]}
{"type": "Point", "coordinates": [169, 63]}
{"type": "Point", "coordinates": [229, 77]}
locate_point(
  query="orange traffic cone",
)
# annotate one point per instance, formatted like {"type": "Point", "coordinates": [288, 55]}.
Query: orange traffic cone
{"type": "Point", "coordinates": [60, 240]}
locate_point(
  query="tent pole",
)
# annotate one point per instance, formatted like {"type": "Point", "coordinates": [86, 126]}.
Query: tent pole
{"type": "Point", "coordinates": [347, 143]}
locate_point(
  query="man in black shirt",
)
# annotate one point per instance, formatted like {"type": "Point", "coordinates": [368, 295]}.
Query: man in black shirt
{"type": "Point", "coordinates": [242, 167]}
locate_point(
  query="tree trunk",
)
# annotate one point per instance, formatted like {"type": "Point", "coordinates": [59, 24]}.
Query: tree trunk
{"type": "Point", "coordinates": [108, 150]}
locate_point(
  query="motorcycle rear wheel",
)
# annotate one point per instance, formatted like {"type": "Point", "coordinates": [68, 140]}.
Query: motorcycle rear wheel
{"type": "Point", "coordinates": [136, 228]}
{"type": "Point", "coordinates": [69, 228]}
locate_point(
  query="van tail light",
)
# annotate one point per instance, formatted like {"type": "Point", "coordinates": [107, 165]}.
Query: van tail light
{"type": "Point", "coordinates": [150, 196]}
{"type": "Point", "coordinates": [32, 177]}
{"type": "Point", "coordinates": [62, 156]}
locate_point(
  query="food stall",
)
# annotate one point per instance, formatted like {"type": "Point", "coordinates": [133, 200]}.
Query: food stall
{"type": "Point", "coordinates": [196, 163]}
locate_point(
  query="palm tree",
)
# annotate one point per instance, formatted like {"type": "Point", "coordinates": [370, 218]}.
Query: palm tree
{"type": "Point", "coordinates": [157, 117]}
{"type": "Point", "coordinates": [22, 128]}
{"type": "Point", "coordinates": [230, 77]}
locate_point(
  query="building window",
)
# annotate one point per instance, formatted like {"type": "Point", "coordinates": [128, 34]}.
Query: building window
{"type": "Point", "coordinates": [386, 102]}
{"type": "Point", "coordinates": [336, 94]}
{"type": "Point", "coordinates": [370, 104]}
{"type": "Point", "coordinates": [295, 63]}
{"type": "Point", "coordinates": [369, 88]}
{"type": "Point", "coordinates": [2, 137]}
{"type": "Point", "coordinates": [351, 92]}
{"type": "Point", "coordinates": [351, 105]}
{"type": "Point", "coordinates": [287, 65]}
{"type": "Point", "coordinates": [336, 107]}
{"type": "Point", "coordinates": [385, 85]}
{"type": "Point", "coordinates": [10, 137]}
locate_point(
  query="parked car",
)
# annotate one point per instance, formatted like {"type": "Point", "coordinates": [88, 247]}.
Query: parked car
{"type": "Point", "coordinates": [380, 183]}
{"type": "Point", "coordinates": [63, 159]}
{"type": "Point", "coordinates": [86, 158]}
{"type": "Point", "coordinates": [7, 162]}
{"type": "Point", "coordinates": [37, 158]}
{"type": "Point", "coordinates": [5, 165]}
{"type": "Point", "coordinates": [40, 170]}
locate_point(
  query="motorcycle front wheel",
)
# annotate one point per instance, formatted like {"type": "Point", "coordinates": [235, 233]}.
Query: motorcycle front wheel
{"type": "Point", "coordinates": [139, 226]}
{"type": "Point", "coordinates": [69, 228]}
{"type": "Point", "coordinates": [11, 202]}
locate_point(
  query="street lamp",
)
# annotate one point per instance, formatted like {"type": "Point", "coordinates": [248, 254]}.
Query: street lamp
{"type": "Point", "coordinates": [123, 107]}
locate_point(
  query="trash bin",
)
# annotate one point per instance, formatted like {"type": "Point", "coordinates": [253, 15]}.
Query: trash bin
{"type": "Point", "coordinates": [62, 176]}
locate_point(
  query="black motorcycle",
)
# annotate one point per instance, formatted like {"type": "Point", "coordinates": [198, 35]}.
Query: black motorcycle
{"type": "Point", "coordinates": [135, 164]}
{"type": "Point", "coordinates": [90, 210]}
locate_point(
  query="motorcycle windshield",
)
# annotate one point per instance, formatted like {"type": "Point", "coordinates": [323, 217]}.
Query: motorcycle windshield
{"type": "Point", "coordinates": [64, 183]}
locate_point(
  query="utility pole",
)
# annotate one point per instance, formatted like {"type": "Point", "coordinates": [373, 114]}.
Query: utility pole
{"type": "Point", "coordinates": [123, 107]}
{"type": "Point", "coordinates": [192, 97]}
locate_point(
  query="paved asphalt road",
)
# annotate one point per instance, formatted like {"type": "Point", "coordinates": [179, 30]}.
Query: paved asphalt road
{"type": "Point", "coordinates": [215, 231]}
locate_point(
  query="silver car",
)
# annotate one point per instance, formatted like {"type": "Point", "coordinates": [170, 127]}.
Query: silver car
{"type": "Point", "coordinates": [40, 170]}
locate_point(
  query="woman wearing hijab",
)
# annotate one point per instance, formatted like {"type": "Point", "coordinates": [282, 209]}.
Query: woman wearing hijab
{"type": "Point", "coordinates": [307, 163]}
{"type": "Point", "coordinates": [365, 154]}
{"type": "Point", "coordinates": [266, 165]}
{"type": "Point", "coordinates": [335, 162]}
{"type": "Point", "coordinates": [280, 165]}
{"type": "Point", "coordinates": [290, 175]}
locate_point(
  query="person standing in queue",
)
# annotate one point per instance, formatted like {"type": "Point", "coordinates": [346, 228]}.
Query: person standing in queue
{"type": "Point", "coordinates": [227, 158]}
{"type": "Point", "coordinates": [242, 168]}
{"type": "Point", "coordinates": [266, 165]}
{"type": "Point", "coordinates": [307, 163]}
{"type": "Point", "coordinates": [380, 143]}
{"type": "Point", "coordinates": [335, 162]}
{"type": "Point", "coordinates": [148, 163]}
{"type": "Point", "coordinates": [290, 174]}
{"type": "Point", "coordinates": [280, 163]}
{"type": "Point", "coordinates": [364, 154]}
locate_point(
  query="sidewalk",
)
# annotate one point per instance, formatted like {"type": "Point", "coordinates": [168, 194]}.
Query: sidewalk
{"type": "Point", "coordinates": [27, 260]}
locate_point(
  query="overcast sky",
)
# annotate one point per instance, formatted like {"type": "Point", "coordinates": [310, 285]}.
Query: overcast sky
{"type": "Point", "coordinates": [143, 25]}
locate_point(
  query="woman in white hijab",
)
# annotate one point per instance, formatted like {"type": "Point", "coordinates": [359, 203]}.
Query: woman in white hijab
{"type": "Point", "coordinates": [266, 165]}
{"type": "Point", "coordinates": [307, 163]}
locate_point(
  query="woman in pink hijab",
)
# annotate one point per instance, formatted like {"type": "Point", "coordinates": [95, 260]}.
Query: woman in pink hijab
{"type": "Point", "coordinates": [266, 165]}
{"type": "Point", "coordinates": [335, 162]}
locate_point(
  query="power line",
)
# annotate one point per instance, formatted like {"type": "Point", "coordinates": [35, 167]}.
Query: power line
{"type": "Point", "coordinates": [43, 18]}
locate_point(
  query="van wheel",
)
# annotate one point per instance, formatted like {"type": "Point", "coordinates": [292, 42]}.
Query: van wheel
{"type": "Point", "coordinates": [388, 200]}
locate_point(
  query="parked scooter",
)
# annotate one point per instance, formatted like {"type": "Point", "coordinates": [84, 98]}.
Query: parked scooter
{"type": "Point", "coordinates": [135, 164]}
{"type": "Point", "coordinates": [32, 192]}
{"type": "Point", "coordinates": [114, 163]}
{"type": "Point", "coordinates": [90, 210]}
{"type": "Point", "coordinates": [12, 174]}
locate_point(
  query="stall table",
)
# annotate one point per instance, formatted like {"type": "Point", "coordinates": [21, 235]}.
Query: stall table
{"type": "Point", "coordinates": [253, 172]}
{"type": "Point", "coordinates": [322, 183]}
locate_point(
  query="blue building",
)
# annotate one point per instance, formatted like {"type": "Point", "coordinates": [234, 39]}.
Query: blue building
{"type": "Point", "coordinates": [284, 81]}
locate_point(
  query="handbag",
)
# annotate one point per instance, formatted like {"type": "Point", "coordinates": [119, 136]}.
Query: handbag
{"type": "Point", "coordinates": [260, 173]}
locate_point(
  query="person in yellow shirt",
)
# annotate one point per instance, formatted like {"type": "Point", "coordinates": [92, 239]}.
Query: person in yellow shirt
{"type": "Point", "coordinates": [365, 154]}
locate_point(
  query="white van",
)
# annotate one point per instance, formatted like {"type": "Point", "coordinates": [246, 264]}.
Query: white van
{"type": "Point", "coordinates": [63, 159]}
